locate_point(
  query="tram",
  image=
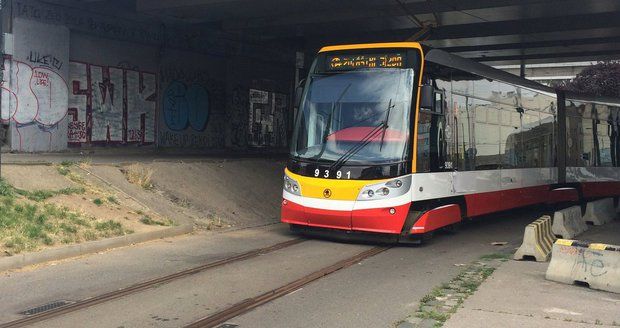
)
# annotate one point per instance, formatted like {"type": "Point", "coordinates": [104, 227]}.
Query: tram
{"type": "Point", "coordinates": [398, 140]}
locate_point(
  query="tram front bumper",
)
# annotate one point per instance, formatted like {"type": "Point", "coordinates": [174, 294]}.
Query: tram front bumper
{"type": "Point", "coordinates": [384, 220]}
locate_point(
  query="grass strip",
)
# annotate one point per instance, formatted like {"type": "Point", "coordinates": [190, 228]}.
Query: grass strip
{"type": "Point", "coordinates": [436, 307]}
{"type": "Point", "coordinates": [27, 225]}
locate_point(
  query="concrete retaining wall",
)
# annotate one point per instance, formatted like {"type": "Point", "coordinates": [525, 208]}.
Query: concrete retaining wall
{"type": "Point", "coordinates": [35, 91]}
{"type": "Point", "coordinates": [121, 80]}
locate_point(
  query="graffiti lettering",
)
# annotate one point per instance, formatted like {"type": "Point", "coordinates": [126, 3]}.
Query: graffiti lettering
{"type": "Point", "coordinates": [41, 79]}
{"type": "Point", "coordinates": [45, 60]}
{"type": "Point", "coordinates": [36, 96]}
{"type": "Point", "coordinates": [186, 106]}
{"type": "Point", "coordinates": [590, 262]}
{"type": "Point", "coordinates": [111, 105]}
{"type": "Point", "coordinates": [267, 124]}
{"type": "Point", "coordinates": [77, 129]}
{"type": "Point", "coordinates": [79, 20]}
{"type": "Point", "coordinates": [183, 139]}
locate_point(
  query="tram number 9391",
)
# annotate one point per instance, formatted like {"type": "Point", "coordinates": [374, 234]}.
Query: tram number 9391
{"type": "Point", "coordinates": [326, 173]}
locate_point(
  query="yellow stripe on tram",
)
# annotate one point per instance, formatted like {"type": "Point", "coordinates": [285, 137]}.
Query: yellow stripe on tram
{"type": "Point", "coordinates": [341, 189]}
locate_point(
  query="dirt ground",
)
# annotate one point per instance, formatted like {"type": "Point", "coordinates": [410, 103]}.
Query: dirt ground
{"type": "Point", "coordinates": [240, 192]}
{"type": "Point", "coordinates": [210, 193]}
{"type": "Point", "coordinates": [35, 177]}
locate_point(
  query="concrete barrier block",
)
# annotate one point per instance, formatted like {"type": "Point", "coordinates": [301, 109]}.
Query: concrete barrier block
{"type": "Point", "coordinates": [594, 265]}
{"type": "Point", "coordinates": [568, 223]}
{"type": "Point", "coordinates": [600, 211]}
{"type": "Point", "coordinates": [537, 241]}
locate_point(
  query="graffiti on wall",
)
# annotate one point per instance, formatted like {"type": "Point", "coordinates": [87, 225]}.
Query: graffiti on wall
{"type": "Point", "coordinates": [267, 123]}
{"type": "Point", "coordinates": [33, 95]}
{"type": "Point", "coordinates": [192, 98]}
{"type": "Point", "coordinates": [186, 107]}
{"type": "Point", "coordinates": [111, 105]}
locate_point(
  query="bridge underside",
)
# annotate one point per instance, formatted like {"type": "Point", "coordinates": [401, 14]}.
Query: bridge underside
{"type": "Point", "coordinates": [219, 74]}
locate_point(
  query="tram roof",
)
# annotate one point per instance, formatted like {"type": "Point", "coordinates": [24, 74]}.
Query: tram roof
{"type": "Point", "coordinates": [450, 60]}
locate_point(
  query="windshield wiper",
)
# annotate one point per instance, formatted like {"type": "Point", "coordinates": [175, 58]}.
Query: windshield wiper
{"type": "Point", "coordinates": [363, 142]}
{"type": "Point", "coordinates": [385, 124]}
{"type": "Point", "coordinates": [328, 126]}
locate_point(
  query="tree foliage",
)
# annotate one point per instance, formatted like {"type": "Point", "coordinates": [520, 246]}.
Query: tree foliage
{"type": "Point", "coordinates": [601, 79]}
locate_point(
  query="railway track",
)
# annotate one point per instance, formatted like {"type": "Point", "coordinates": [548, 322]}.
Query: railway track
{"type": "Point", "coordinates": [216, 318]}
{"type": "Point", "coordinates": [144, 285]}
{"type": "Point", "coordinates": [252, 303]}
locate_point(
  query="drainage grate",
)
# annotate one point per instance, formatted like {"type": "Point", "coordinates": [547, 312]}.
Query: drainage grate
{"type": "Point", "coordinates": [228, 325]}
{"type": "Point", "coordinates": [46, 307]}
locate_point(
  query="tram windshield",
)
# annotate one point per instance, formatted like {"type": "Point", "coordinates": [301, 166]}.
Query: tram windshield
{"type": "Point", "coordinates": [360, 117]}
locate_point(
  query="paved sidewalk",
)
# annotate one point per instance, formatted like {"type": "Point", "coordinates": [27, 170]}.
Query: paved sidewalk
{"type": "Point", "coordinates": [517, 295]}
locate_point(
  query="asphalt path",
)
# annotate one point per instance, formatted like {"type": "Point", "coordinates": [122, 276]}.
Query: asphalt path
{"type": "Point", "coordinates": [377, 292]}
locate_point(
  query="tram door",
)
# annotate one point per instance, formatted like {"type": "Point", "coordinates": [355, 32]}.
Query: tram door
{"type": "Point", "coordinates": [432, 146]}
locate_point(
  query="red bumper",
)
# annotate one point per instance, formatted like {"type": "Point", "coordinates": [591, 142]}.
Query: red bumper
{"type": "Point", "coordinates": [380, 220]}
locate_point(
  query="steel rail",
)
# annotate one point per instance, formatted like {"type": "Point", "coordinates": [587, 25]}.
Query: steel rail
{"type": "Point", "coordinates": [144, 285]}
{"type": "Point", "coordinates": [252, 303]}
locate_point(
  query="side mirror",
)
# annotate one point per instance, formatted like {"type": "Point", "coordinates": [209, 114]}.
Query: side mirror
{"type": "Point", "coordinates": [427, 97]}
{"type": "Point", "coordinates": [299, 92]}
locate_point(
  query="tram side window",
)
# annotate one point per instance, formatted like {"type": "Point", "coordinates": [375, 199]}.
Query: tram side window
{"type": "Point", "coordinates": [592, 134]}
{"type": "Point", "coordinates": [444, 86]}
{"type": "Point", "coordinates": [547, 137]}
{"type": "Point", "coordinates": [614, 122]}
{"type": "Point", "coordinates": [538, 120]}
{"type": "Point", "coordinates": [574, 144]}
{"type": "Point", "coordinates": [511, 143]}
{"type": "Point", "coordinates": [604, 135]}
{"type": "Point", "coordinates": [436, 129]}
{"type": "Point", "coordinates": [432, 147]}
{"type": "Point", "coordinates": [501, 125]}
{"type": "Point", "coordinates": [477, 132]}
{"type": "Point", "coordinates": [464, 139]}
{"type": "Point", "coordinates": [580, 134]}
{"type": "Point", "coordinates": [588, 155]}
{"type": "Point", "coordinates": [531, 153]}
{"type": "Point", "coordinates": [603, 144]}
{"type": "Point", "coordinates": [486, 135]}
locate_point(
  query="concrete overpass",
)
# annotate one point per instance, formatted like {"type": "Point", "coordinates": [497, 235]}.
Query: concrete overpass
{"type": "Point", "coordinates": [218, 74]}
{"type": "Point", "coordinates": [487, 30]}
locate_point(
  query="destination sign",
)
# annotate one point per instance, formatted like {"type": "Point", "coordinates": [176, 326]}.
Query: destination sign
{"type": "Point", "coordinates": [350, 62]}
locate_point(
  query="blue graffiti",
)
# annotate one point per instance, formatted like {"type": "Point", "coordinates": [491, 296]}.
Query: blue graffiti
{"type": "Point", "coordinates": [198, 99]}
{"type": "Point", "coordinates": [185, 107]}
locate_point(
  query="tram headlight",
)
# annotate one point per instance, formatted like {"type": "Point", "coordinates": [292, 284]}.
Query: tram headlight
{"type": "Point", "coordinates": [397, 183]}
{"type": "Point", "coordinates": [291, 186]}
{"type": "Point", "coordinates": [384, 190]}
